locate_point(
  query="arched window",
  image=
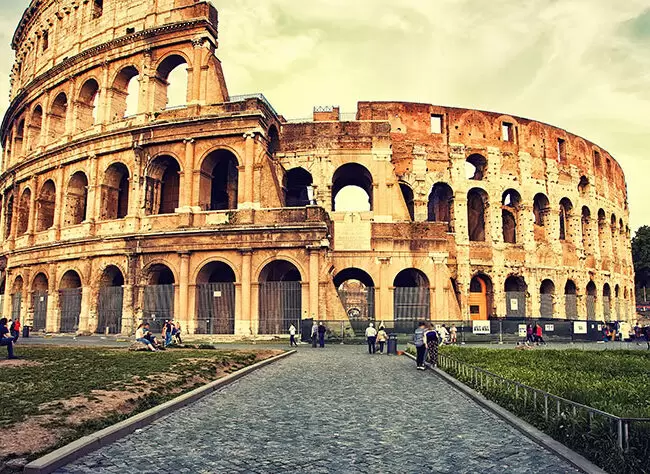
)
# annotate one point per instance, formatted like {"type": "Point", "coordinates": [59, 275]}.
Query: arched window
{"type": "Point", "coordinates": [110, 300]}
{"type": "Point", "coordinates": [477, 200]}
{"type": "Point", "coordinates": [22, 222]}
{"type": "Point", "coordinates": [163, 186]}
{"type": "Point", "coordinates": [76, 199]}
{"type": "Point", "coordinates": [280, 297]}
{"type": "Point", "coordinates": [607, 302]}
{"type": "Point", "coordinates": [9, 213]}
{"type": "Point", "coordinates": [352, 188]}
{"type": "Point", "coordinates": [87, 105]}
{"type": "Point", "coordinates": [583, 186]}
{"type": "Point", "coordinates": [603, 234]}
{"type": "Point", "coordinates": [172, 84]}
{"type": "Point", "coordinates": [546, 296]}
{"type": "Point", "coordinates": [35, 127]}
{"type": "Point", "coordinates": [480, 297]}
{"type": "Point", "coordinates": [440, 207]}
{"type": "Point", "coordinates": [19, 149]}
{"type": "Point", "coordinates": [115, 192]}
{"type": "Point", "coordinates": [40, 287]}
{"type": "Point", "coordinates": [586, 230]}
{"type": "Point", "coordinates": [591, 301]}
{"type": "Point", "coordinates": [516, 289]}
{"type": "Point", "coordinates": [566, 208]}
{"type": "Point", "coordinates": [58, 114]}
{"type": "Point", "coordinates": [298, 188]}
{"type": "Point", "coordinates": [411, 296]}
{"type": "Point", "coordinates": [274, 140]}
{"type": "Point", "coordinates": [407, 194]}
{"type": "Point", "coordinates": [70, 301]}
{"type": "Point", "coordinates": [476, 167]}
{"type": "Point", "coordinates": [510, 207]}
{"type": "Point", "coordinates": [219, 181]}
{"type": "Point", "coordinates": [356, 291]}
{"type": "Point", "coordinates": [45, 206]}
{"type": "Point", "coordinates": [158, 296]}
{"type": "Point", "coordinates": [215, 297]}
{"type": "Point", "coordinates": [571, 300]}
{"type": "Point", "coordinates": [125, 94]}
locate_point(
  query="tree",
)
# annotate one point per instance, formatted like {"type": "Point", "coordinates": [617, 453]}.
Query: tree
{"type": "Point", "coordinates": [641, 257]}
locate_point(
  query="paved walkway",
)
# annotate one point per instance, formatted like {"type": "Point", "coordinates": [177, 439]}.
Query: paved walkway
{"type": "Point", "coordinates": [336, 409]}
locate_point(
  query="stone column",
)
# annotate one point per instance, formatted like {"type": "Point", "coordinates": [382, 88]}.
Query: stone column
{"type": "Point", "coordinates": [32, 207]}
{"type": "Point", "coordinates": [314, 264]}
{"type": "Point", "coordinates": [187, 198]}
{"type": "Point", "coordinates": [194, 72]}
{"type": "Point", "coordinates": [249, 161]}
{"type": "Point", "coordinates": [128, 327]}
{"type": "Point", "coordinates": [94, 202]}
{"type": "Point", "coordinates": [183, 293]}
{"type": "Point", "coordinates": [53, 322]}
{"type": "Point", "coordinates": [59, 206]}
{"type": "Point", "coordinates": [243, 326]}
{"type": "Point", "coordinates": [384, 311]}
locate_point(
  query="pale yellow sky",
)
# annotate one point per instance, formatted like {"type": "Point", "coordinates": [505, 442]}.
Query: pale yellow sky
{"type": "Point", "coordinates": [578, 64]}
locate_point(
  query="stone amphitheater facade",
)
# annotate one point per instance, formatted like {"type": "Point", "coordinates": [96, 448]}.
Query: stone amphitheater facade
{"type": "Point", "coordinates": [225, 216]}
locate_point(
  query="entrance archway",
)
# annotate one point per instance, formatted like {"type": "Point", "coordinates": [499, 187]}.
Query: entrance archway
{"type": "Point", "coordinates": [480, 298]}
{"type": "Point", "coordinates": [280, 297]}
{"type": "Point", "coordinates": [158, 297]}
{"type": "Point", "coordinates": [356, 290]}
{"type": "Point", "coordinates": [546, 297]}
{"type": "Point", "coordinates": [515, 288]}
{"type": "Point", "coordinates": [215, 299]}
{"type": "Point", "coordinates": [110, 301]}
{"type": "Point", "coordinates": [16, 298]}
{"type": "Point", "coordinates": [70, 301]}
{"type": "Point", "coordinates": [39, 302]}
{"type": "Point", "coordinates": [607, 302]}
{"type": "Point", "coordinates": [411, 296]}
{"type": "Point", "coordinates": [570, 300]}
{"type": "Point", "coordinates": [591, 301]}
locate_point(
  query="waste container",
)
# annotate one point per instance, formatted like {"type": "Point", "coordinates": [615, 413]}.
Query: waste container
{"type": "Point", "coordinates": [26, 331]}
{"type": "Point", "coordinates": [392, 344]}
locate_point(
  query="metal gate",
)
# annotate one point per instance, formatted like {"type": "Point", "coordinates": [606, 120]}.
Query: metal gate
{"type": "Point", "coordinates": [591, 307]}
{"type": "Point", "coordinates": [215, 308]}
{"type": "Point", "coordinates": [411, 303]}
{"type": "Point", "coordinates": [359, 304]}
{"type": "Point", "coordinates": [158, 306]}
{"type": "Point", "coordinates": [39, 302]}
{"type": "Point", "coordinates": [515, 304]}
{"type": "Point", "coordinates": [16, 302]}
{"type": "Point", "coordinates": [70, 304]}
{"type": "Point", "coordinates": [109, 309]}
{"type": "Point", "coordinates": [546, 305]}
{"type": "Point", "coordinates": [607, 309]}
{"type": "Point", "coordinates": [280, 305]}
{"type": "Point", "coordinates": [571, 306]}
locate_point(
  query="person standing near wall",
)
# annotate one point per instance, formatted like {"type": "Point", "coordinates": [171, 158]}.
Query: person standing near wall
{"type": "Point", "coordinates": [420, 347]}
{"type": "Point", "coordinates": [371, 336]}
{"type": "Point", "coordinates": [432, 340]}
{"type": "Point", "coordinates": [15, 329]}
{"type": "Point", "coordinates": [382, 337]}
{"type": "Point", "coordinates": [321, 334]}
{"type": "Point", "coordinates": [314, 334]}
{"type": "Point", "coordinates": [453, 331]}
{"type": "Point", "coordinates": [292, 336]}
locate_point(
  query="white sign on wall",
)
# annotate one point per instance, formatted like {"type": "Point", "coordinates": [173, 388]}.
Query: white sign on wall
{"type": "Point", "coordinates": [481, 327]}
{"type": "Point", "coordinates": [522, 330]}
{"type": "Point", "coordinates": [579, 327]}
{"type": "Point", "coordinates": [514, 304]}
{"type": "Point", "coordinates": [549, 327]}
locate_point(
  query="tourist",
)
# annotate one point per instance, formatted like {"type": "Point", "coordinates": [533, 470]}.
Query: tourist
{"type": "Point", "coordinates": [176, 332]}
{"type": "Point", "coordinates": [15, 329]}
{"type": "Point", "coordinates": [321, 334]}
{"type": "Point", "coordinates": [431, 338]}
{"type": "Point", "coordinates": [538, 334]}
{"type": "Point", "coordinates": [647, 336]}
{"type": "Point", "coordinates": [371, 336]}
{"type": "Point", "coordinates": [443, 334]}
{"type": "Point", "coordinates": [140, 336]}
{"type": "Point", "coordinates": [529, 334]}
{"type": "Point", "coordinates": [292, 336]}
{"type": "Point", "coordinates": [453, 334]}
{"type": "Point", "coordinates": [167, 333]}
{"type": "Point", "coordinates": [5, 340]}
{"type": "Point", "coordinates": [605, 333]}
{"type": "Point", "coordinates": [420, 347]}
{"type": "Point", "coordinates": [314, 334]}
{"type": "Point", "coordinates": [382, 337]}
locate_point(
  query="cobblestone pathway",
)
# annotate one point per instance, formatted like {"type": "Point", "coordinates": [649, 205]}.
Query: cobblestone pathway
{"type": "Point", "coordinates": [336, 409]}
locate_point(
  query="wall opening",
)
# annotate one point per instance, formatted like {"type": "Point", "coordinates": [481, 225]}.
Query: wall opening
{"type": "Point", "coordinates": [411, 296]}
{"type": "Point", "coordinates": [58, 114]}
{"type": "Point", "coordinates": [480, 297]}
{"type": "Point", "coordinates": [87, 105]}
{"type": "Point", "coordinates": [356, 291]}
{"type": "Point", "coordinates": [591, 301]}
{"type": "Point", "coordinates": [125, 94]}
{"type": "Point", "coordinates": [40, 287]}
{"type": "Point", "coordinates": [298, 188]}
{"type": "Point", "coordinates": [45, 206]}
{"type": "Point", "coordinates": [18, 148]}
{"type": "Point", "coordinates": [22, 220]}
{"type": "Point", "coordinates": [98, 8]}
{"type": "Point", "coordinates": [583, 186]}
{"type": "Point", "coordinates": [510, 210]}
{"type": "Point", "coordinates": [352, 188]}
{"type": "Point", "coordinates": [219, 181]}
{"type": "Point", "coordinates": [35, 127]}
{"type": "Point", "coordinates": [171, 88]}
{"type": "Point", "coordinates": [9, 213]}
{"type": "Point", "coordinates": [407, 195]}
{"type": "Point", "coordinates": [163, 186]}
{"type": "Point", "coordinates": [507, 132]}
{"type": "Point", "coordinates": [476, 167]}
{"type": "Point", "coordinates": [561, 150]}
{"type": "Point", "coordinates": [159, 297]}
{"type": "Point", "coordinates": [274, 140]}
{"type": "Point", "coordinates": [110, 301]}
{"type": "Point", "coordinates": [280, 297]}
{"type": "Point", "coordinates": [436, 123]}
{"type": "Point", "coordinates": [586, 230]}
{"type": "Point", "coordinates": [516, 292]}
{"type": "Point", "coordinates": [477, 200]}
{"type": "Point", "coordinates": [566, 209]}
{"type": "Point", "coordinates": [76, 199]}
{"type": "Point", "coordinates": [571, 300]}
{"type": "Point", "coordinates": [70, 301]}
{"type": "Point", "coordinates": [440, 207]}
{"type": "Point", "coordinates": [546, 299]}
{"type": "Point", "coordinates": [115, 192]}
{"type": "Point", "coordinates": [215, 299]}
{"type": "Point", "coordinates": [541, 212]}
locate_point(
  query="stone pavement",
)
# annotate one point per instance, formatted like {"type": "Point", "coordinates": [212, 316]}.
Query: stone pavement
{"type": "Point", "coordinates": [336, 409]}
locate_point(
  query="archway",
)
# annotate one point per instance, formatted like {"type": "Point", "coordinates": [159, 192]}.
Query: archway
{"type": "Point", "coordinates": [16, 298]}
{"type": "Point", "coordinates": [480, 297]}
{"type": "Point", "coordinates": [215, 299]}
{"type": "Point", "coordinates": [158, 297]}
{"type": "Point", "coordinates": [9, 213]}
{"type": "Point", "coordinates": [87, 105]}
{"type": "Point", "coordinates": [607, 302]}
{"type": "Point", "coordinates": [515, 288]}
{"type": "Point", "coordinates": [57, 119]}
{"type": "Point", "coordinates": [411, 296]}
{"type": "Point", "coordinates": [110, 301]}
{"type": "Point", "coordinates": [219, 181]}
{"type": "Point", "coordinates": [541, 210]}
{"type": "Point", "coordinates": [407, 194]}
{"type": "Point", "coordinates": [19, 139]}
{"type": "Point", "coordinates": [45, 206]}
{"type": "Point", "coordinates": [298, 182]}
{"type": "Point", "coordinates": [510, 207]}
{"type": "Point", "coordinates": [475, 167]}
{"type": "Point", "coordinates": [125, 92]}
{"type": "Point", "coordinates": [566, 208]}
{"type": "Point", "coordinates": [280, 297]}
{"type": "Point", "coordinates": [586, 230]}
{"type": "Point", "coordinates": [591, 301]}
{"type": "Point", "coordinates": [76, 199]}
{"type": "Point", "coordinates": [352, 188]}
{"type": "Point", "coordinates": [115, 192]}
{"type": "Point", "coordinates": [546, 299]}
{"type": "Point", "coordinates": [356, 291]}
{"type": "Point", "coordinates": [35, 127]}
{"type": "Point", "coordinates": [617, 302]}
{"type": "Point", "coordinates": [40, 286]}
{"type": "Point", "coordinates": [163, 186]}
{"type": "Point", "coordinates": [22, 220]}
{"type": "Point", "coordinates": [171, 86]}
{"type": "Point", "coordinates": [571, 300]}
{"type": "Point", "coordinates": [440, 207]}
{"type": "Point", "coordinates": [477, 201]}
{"type": "Point", "coordinates": [70, 301]}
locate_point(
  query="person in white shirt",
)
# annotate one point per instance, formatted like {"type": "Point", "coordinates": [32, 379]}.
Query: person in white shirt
{"type": "Point", "coordinates": [139, 337]}
{"type": "Point", "coordinates": [371, 335]}
{"type": "Point", "coordinates": [292, 336]}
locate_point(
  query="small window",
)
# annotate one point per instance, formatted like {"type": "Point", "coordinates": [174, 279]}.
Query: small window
{"type": "Point", "coordinates": [130, 31]}
{"type": "Point", "coordinates": [98, 8]}
{"type": "Point", "coordinates": [597, 162]}
{"type": "Point", "coordinates": [436, 123]}
{"type": "Point", "coordinates": [473, 309]}
{"type": "Point", "coordinates": [506, 132]}
{"type": "Point", "coordinates": [561, 150]}
{"type": "Point", "coordinates": [46, 41]}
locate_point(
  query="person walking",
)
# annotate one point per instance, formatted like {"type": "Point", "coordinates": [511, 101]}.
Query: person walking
{"type": "Point", "coordinates": [382, 337]}
{"type": "Point", "coordinates": [538, 335]}
{"type": "Point", "coordinates": [314, 334]}
{"type": "Point", "coordinates": [6, 340]}
{"type": "Point", "coordinates": [431, 338]}
{"type": "Point", "coordinates": [420, 347]}
{"type": "Point", "coordinates": [453, 334]}
{"type": "Point", "coordinates": [15, 329]}
{"type": "Point", "coordinates": [321, 334]}
{"type": "Point", "coordinates": [292, 336]}
{"type": "Point", "coordinates": [371, 336]}
{"type": "Point", "coordinates": [529, 334]}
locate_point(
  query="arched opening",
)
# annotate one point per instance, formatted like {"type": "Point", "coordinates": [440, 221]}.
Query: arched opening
{"type": "Point", "coordinates": [298, 188]}
{"type": "Point", "coordinates": [115, 192]}
{"type": "Point", "coordinates": [163, 186]}
{"type": "Point", "coordinates": [35, 127]}
{"type": "Point", "coordinates": [7, 149]}
{"type": "Point", "coordinates": [22, 220]}
{"type": "Point", "coordinates": [110, 301]}
{"type": "Point", "coordinates": [158, 297]}
{"type": "Point", "coordinates": [352, 188]}
{"type": "Point", "coordinates": [40, 286]}
{"type": "Point", "coordinates": [566, 208]}
{"type": "Point", "coordinates": [215, 299]}
{"type": "Point", "coordinates": [541, 211]}
{"type": "Point", "coordinates": [510, 207]}
{"type": "Point", "coordinates": [516, 289]}
{"type": "Point", "coordinates": [583, 186]}
{"type": "Point", "coordinates": [546, 299]}
{"type": "Point", "coordinates": [407, 194]}
{"type": "Point", "coordinates": [18, 148]}
{"type": "Point", "coordinates": [125, 94]}
{"type": "Point", "coordinates": [440, 207]}
{"type": "Point", "coordinates": [9, 213]}
{"type": "Point", "coordinates": [607, 302]}
{"type": "Point", "coordinates": [356, 291]}
{"type": "Point", "coordinates": [614, 236]}
{"type": "Point", "coordinates": [57, 118]}
{"type": "Point", "coordinates": [617, 302]}
{"type": "Point", "coordinates": [16, 298]}
{"type": "Point", "coordinates": [476, 167]}
{"type": "Point", "coordinates": [76, 199]}
{"type": "Point", "coordinates": [274, 140]}
{"type": "Point", "coordinates": [280, 297]}
{"type": "Point", "coordinates": [411, 296]}
{"type": "Point", "coordinates": [591, 301]}
{"type": "Point", "coordinates": [477, 201]}
{"type": "Point", "coordinates": [219, 181]}
{"type": "Point", "coordinates": [87, 105]}
{"type": "Point", "coordinates": [603, 234]}
{"type": "Point", "coordinates": [586, 230]}
{"type": "Point", "coordinates": [70, 301]}
{"type": "Point", "coordinates": [171, 89]}
{"type": "Point", "coordinates": [480, 297]}
{"type": "Point", "coordinates": [571, 300]}
{"type": "Point", "coordinates": [45, 206]}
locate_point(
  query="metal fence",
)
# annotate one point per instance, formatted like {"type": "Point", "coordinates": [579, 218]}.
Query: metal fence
{"type": "Point", "coordinates": [70, 304]}
{"type": "Point", "coordinates": [16, 302]}
{"type": "Point", "coordinates": [411, 303]}
{"type": "Point", "coordinates": [215, 308]}
{"type": "Point", "coordinates": [546, 305]}
{"type": "Point", "coordinates": [158, 306]}
{"type": "Point", "coordinates": [280, 305]}
{"type": "Point", "coordinates": [607, 308]}
{"type": "Point", "coordinates": [39, 302]}
{"type": "Point", "coordinates": [571, 306]}
{"type": "Point", "coordinates": [358, 304]}
{"type": "Point", "coordinates": [109, 309]}
{"type": "Point", "coordinates": [591, 307]}
{"type": "Point", "coordinates": [515, 304]}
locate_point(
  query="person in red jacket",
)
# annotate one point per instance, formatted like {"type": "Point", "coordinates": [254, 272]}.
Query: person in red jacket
{"type": "Point", "coordinates": [15, 329]}
{"type": "Point", "coordinates": [537, 331]}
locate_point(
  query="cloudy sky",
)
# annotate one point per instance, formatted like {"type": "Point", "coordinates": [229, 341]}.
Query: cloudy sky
{"type": "Point", "coordinates": [582, 65]}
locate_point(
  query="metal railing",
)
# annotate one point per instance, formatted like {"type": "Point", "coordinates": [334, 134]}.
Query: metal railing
{"type": "Point", "coordinates": [570, 422]}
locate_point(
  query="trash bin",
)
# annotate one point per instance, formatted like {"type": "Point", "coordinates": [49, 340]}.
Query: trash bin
{"type": "Point", "coordinates": [392, 344]}
{"type": "Point", "coordinates": [26, 331]}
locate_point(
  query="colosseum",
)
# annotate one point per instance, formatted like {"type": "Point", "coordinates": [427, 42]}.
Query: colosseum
{"type": "Point", "coordinates": [120, 204]}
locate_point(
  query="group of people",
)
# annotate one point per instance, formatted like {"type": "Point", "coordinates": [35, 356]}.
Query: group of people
{"type": "Point", "coordinates": [171, 332]}
{"type": "Point", "coordinates": [426, 340]}
{"type": "Point", "coordinates": [534, 334]}
{"type": "Point", "coordinates": [9, 336]}
{"type": "Point", "coordinates": [376, 337]}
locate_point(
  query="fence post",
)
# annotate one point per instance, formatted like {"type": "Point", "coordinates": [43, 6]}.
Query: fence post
{"type": "Point", "coordinates": [620, 434]}
{"type": "Point", "coordinates": [546, 407]}
{"type": "Point", "coordinates": [342, 331]}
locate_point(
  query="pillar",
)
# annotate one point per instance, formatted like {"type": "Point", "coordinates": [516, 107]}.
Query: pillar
{"type": "Point", "coordinates": [249, 161]}
{"type": "Point", "coordinates": [385, 310]}
{"type": "Point", "coordinates": [53, 321]}
{"type": "Point", "coordinates": [32, 206]}
{"type": "Point", "coordinates": [195, 71]}
{"type": "Point", "coordinates": [244, 324]}
{"type": "Point", "coordinates": [314, 265]}
{"type": "Point", "coordinates": [184, 291]}
{"type": "Point", "coordinates": [187, 197]}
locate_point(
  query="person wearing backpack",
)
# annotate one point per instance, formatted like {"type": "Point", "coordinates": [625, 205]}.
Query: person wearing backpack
{"type": "Point", "coordinates": [15, 329]}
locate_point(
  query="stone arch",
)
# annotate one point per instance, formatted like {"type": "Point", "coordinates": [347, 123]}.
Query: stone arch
{"type": "Point", "coordinates": [541, 209]}
{"type": "Point", "coordinates": [86, 106]}
{"type": "Point", "coordinates": [219, 181]}
{"type": "Point", "coordinates": [356, 290]}
{"type": "Point", "coordinates": [353, 179]}
{"type": "Point", "coordinates": [115, 192]}
{"type": "Point", "coordinates": [591, 300]}
{"type": "Point", "coordinates": [411, 296]}
{"type": "Point", "coordinates": [57, 118]}
{"type": "Point", "coordinates": [19, 138]}
{"type": "Point", "coordinates": [163, 185]}
{"type": "Point", "coordinates": [70, 301]}
{"type": "Point", "coordinates": [40, 286]}
{"type": "Point", "coordinates": [586, 230]}
{"type": "Point", "coordinates": [516, 291]}
{"type": "Point", "coordinates": [9, 213]}
{"type": "Point", "coordinates": [215, 298]}
{"type": "Point", "coordinates": [298, 185]}
{"type": "Point", "coordinates": [35, 127]}
{"type": "Point", "coordinates": [110, 300]}
{"type": "Point", "coordinates": [407, 195]}
{"type": "Point", "coordinates": [279, 297]}
{"type": "Point", "coordinates": [440, 207]}
{"type": "Point", "coordinates": [45, 206]}
{"type": "Point", "coordinates": [158, 294]}
{"type": "Point", "coordinates": [547, 296]}
{"type": "Point", "coordinates": [76, 199]}
{"type": "Point", "coordinates": [273, 140]}
{"type": "Point", "coordinates": [583, 186]}
{"type": "Point", "coordinates": [571, 299]}
{"type": "Point", "coordinates": [476, 167]}
{"type": "Point", "coordinates": [125, 93]}
{"type": "Point", "coordinates": [17, 297]}
{"type": "Point", "coordinates": [477, 203]}
{"type": "Point", "coordinates": [565, 218]}
{"type": "Point", "coordinates": [607, 302]}
{"type": "Point", "coordinates": [24, 204]}
{"type": "Point", "coordinates": [172, 86]}
{"type": "Point", "coordinates": [159, 273]}
{"type": "Point", "coordinates": [481, 297]}
{"type": "Point", "coordinates": [510, 213]}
